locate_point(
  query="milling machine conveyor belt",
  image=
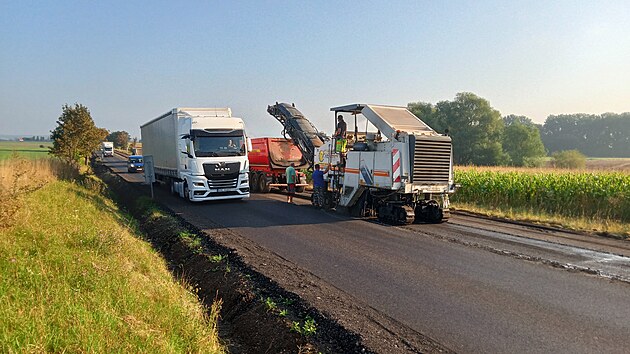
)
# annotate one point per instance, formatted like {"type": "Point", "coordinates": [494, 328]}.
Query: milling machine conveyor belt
{"type": "Point", "coordinates": [304, 134]}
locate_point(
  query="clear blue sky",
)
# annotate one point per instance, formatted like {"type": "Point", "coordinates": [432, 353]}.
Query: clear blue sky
{"type": "Point", "coordinates": [129, 61]}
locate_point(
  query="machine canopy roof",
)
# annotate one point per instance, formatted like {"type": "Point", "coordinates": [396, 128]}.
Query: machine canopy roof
{"type": "Point", "coordinates": [389, 119]}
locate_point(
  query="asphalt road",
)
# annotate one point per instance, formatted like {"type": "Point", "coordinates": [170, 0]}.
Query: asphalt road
{"type": "Point", "coordinates": [475, 286]}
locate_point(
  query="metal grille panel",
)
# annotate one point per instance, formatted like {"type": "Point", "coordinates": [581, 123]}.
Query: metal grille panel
{"type": "Point", "coordinates": [431, 161]}
{"type": "Point", "coordinates": [228, 183]}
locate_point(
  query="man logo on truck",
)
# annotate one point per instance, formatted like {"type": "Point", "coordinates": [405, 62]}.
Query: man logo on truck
{"type": "Point", "coordinates": [221, 167]}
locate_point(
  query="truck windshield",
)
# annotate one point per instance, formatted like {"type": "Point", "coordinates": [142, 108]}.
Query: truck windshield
{"type": "Point", "coordinates": [215, 145]}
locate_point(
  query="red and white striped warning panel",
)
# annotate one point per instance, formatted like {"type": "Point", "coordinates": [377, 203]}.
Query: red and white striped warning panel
{"type": "Point", "coordinates": [396, 165]}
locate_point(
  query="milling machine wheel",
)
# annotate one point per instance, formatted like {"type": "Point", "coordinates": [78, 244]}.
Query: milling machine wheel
{"type": "Point", "coordinates": [405, 215]}
{"type": "Point", "coordinates": [396, 214]}
{"type": "Point", "coordinates": [430, 212]}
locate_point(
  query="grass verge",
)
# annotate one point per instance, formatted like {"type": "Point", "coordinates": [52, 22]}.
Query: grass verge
{"type": "Point", "coordinates": [602, 227]}
{"type": "Point", "coordinates": [76, 277]}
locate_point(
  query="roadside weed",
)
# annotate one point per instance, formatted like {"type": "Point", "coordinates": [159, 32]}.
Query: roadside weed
{"type": "Point", "coordinates": [192, 241]}
{"type": "Point", "coordinates": [307, 329]}
{"type": "Point", "coordinates": [217, 258]}
{"type": "Point", "coordinates": [270, 304]}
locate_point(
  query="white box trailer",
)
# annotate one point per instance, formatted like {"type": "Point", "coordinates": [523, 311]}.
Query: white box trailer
{"type": "Point", "coordinates": [201, 153]}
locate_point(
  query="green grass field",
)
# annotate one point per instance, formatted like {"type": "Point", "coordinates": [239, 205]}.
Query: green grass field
{"type": "Point", "coordinates": [27, 149]}
{"type": "Point", "coordinates": [75, 276]}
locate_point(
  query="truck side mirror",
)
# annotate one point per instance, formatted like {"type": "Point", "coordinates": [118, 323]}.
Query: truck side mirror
{"type": "Point", "coordinates": [190, 156]}
{"type": "Point", "coordinates": [249, 144]}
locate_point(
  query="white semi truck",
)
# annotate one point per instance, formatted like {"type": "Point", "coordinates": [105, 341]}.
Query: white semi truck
{"type": "Point", "coordinates": [107, 148]}
{"type": "Point", "coordinates": [201, 153]}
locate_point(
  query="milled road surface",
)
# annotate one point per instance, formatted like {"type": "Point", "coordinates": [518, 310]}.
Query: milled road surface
{"type": "Point", "coordinates": [472, 285]}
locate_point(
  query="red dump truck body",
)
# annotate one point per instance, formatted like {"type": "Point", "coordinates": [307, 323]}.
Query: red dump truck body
{"type": "Point", "coordinates": [268, 161]}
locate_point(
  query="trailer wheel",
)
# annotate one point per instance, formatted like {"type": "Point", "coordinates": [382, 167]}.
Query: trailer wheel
{"type": "Point", "coordinates": [171, 183]}
{"type": "Point", "coordinates": [253, 182]}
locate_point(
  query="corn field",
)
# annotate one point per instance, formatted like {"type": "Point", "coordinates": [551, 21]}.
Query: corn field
{"type": "Point", "coordinates": [595, 195]}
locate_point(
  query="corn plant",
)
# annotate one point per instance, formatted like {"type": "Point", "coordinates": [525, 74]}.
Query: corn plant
{"type": "Point", "coordinates": [602, 195]}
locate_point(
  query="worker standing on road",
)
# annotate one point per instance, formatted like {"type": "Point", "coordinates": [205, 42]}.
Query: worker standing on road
{"type": "Point", "coordinates": [291, 178]}
{"type": "Point", "coordinates": [319, 186]}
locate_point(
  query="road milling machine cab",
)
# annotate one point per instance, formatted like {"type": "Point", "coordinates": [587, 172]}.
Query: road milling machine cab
{"type": "Point", "coordinates": [402, 173]}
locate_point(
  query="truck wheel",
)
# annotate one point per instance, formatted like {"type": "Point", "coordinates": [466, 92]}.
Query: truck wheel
{"type": "Point", "coordinates": [299, 189]}
{"type": "Point", "coordinates": [263, 184]}
{"type": "Point", "coordinates": [187, 192]}
{"type": "Point", "coordinates": [253, 182]}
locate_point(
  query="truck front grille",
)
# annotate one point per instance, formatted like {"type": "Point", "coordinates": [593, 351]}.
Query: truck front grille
{"type": "Point", "coordinates": [431, 160]}
{"type": "Point", "coordinates": [224, 183]}
{"type": "Point", "coordinates": [221, 171]}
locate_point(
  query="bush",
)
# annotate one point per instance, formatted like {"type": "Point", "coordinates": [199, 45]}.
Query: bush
{"type": "Point", "coordinates": [569, 159]}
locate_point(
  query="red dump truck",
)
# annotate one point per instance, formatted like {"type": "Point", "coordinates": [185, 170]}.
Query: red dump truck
{"type": "Point", "coordinates": [268, 160]}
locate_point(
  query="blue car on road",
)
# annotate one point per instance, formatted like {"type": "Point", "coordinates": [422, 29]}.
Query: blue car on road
{"type": "Point", "coordinates": [135, 164]}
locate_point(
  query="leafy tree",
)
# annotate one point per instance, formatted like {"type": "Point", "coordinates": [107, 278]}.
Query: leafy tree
{"type": "Point", "coordinates": [475, 127]}
{"type": "Point", "coordinates": [75, 136]}
{"type": "Point", "coordinates": [120, 139]}
{"type": "Point", "coordinates": [423, 110]}
{"type": "Point", "coordinates": [512, 118]}
{"type": "Point", "coordinates": [569, 159]}
{"type": "Point", "coordinates": [523, 145]}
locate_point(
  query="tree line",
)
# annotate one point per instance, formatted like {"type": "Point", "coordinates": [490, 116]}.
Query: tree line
{"type": "Point", "coordinates": [482, 136]}
{"type": "Point", "coordinates": [597, 135]}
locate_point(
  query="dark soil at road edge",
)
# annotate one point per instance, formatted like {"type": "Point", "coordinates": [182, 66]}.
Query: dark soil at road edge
{"type": "Point", "coordinates": [249, 323]}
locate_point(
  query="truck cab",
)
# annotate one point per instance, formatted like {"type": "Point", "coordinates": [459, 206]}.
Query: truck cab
{"type": "Point", "coordinates": [201, 153]}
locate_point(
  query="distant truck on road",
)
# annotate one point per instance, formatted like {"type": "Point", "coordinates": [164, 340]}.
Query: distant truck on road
{"type": "Point", "coordinates": [201, 153]}
{"type": "Point", "coordinates": [107, 148]}
{"type": "Point", "coordinates": [268, 161]}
